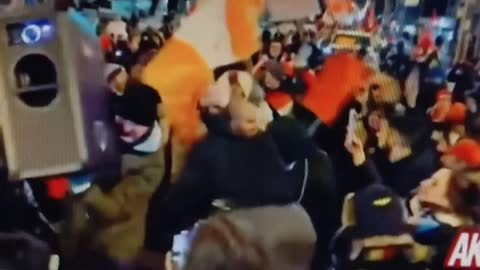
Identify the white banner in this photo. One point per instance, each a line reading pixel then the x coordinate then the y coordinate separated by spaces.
pixel 288 10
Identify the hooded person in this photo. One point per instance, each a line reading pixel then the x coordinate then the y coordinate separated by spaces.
pixel 187 61
pixel 238 165
pixel 116 227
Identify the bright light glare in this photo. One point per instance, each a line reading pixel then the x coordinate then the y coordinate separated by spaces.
pixel 46 28
pixel 31 34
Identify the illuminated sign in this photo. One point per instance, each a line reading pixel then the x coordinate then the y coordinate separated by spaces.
pixel 411 3
pixel 346 41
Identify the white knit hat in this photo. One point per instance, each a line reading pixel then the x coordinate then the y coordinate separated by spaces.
pixel 109 70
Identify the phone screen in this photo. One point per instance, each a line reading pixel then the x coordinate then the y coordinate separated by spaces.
pixel 352 125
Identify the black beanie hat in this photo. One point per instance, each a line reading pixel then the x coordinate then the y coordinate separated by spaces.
pixel 139 104
pixel 378 212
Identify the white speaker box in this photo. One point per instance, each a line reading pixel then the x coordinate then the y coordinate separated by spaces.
pixel 53 100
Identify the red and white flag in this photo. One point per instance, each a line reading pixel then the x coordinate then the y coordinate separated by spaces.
pixel 465 251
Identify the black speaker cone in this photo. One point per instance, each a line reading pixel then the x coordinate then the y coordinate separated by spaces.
pixel 36 80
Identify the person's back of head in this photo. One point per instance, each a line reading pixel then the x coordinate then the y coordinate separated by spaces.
pixel 221 245
pixel 412 126
pixel 244 239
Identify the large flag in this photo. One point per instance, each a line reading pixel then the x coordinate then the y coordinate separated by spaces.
pixel 218 33
pixel 334 87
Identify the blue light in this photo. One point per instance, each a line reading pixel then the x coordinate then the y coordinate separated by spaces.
pixel 31 33
pixel 328 50
pixel 37 31
pixel 46 28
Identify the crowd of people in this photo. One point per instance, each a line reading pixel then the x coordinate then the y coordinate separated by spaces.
pixel 378 172
pixel 401 153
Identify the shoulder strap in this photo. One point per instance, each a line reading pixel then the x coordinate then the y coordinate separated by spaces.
pixel 304 181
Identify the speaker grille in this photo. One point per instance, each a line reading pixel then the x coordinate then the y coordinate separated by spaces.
pixel 36 79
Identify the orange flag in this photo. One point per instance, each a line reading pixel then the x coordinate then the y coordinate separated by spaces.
pixel 340 7
pixel 183 70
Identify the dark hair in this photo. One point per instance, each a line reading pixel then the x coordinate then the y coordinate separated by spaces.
pixel 412 126
pixel 266 36
pixel 168 18
pixel 439 41
pixel 465 200
pixel 362 53
pixel 278 37
pixel 218 72
pixel 147 41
